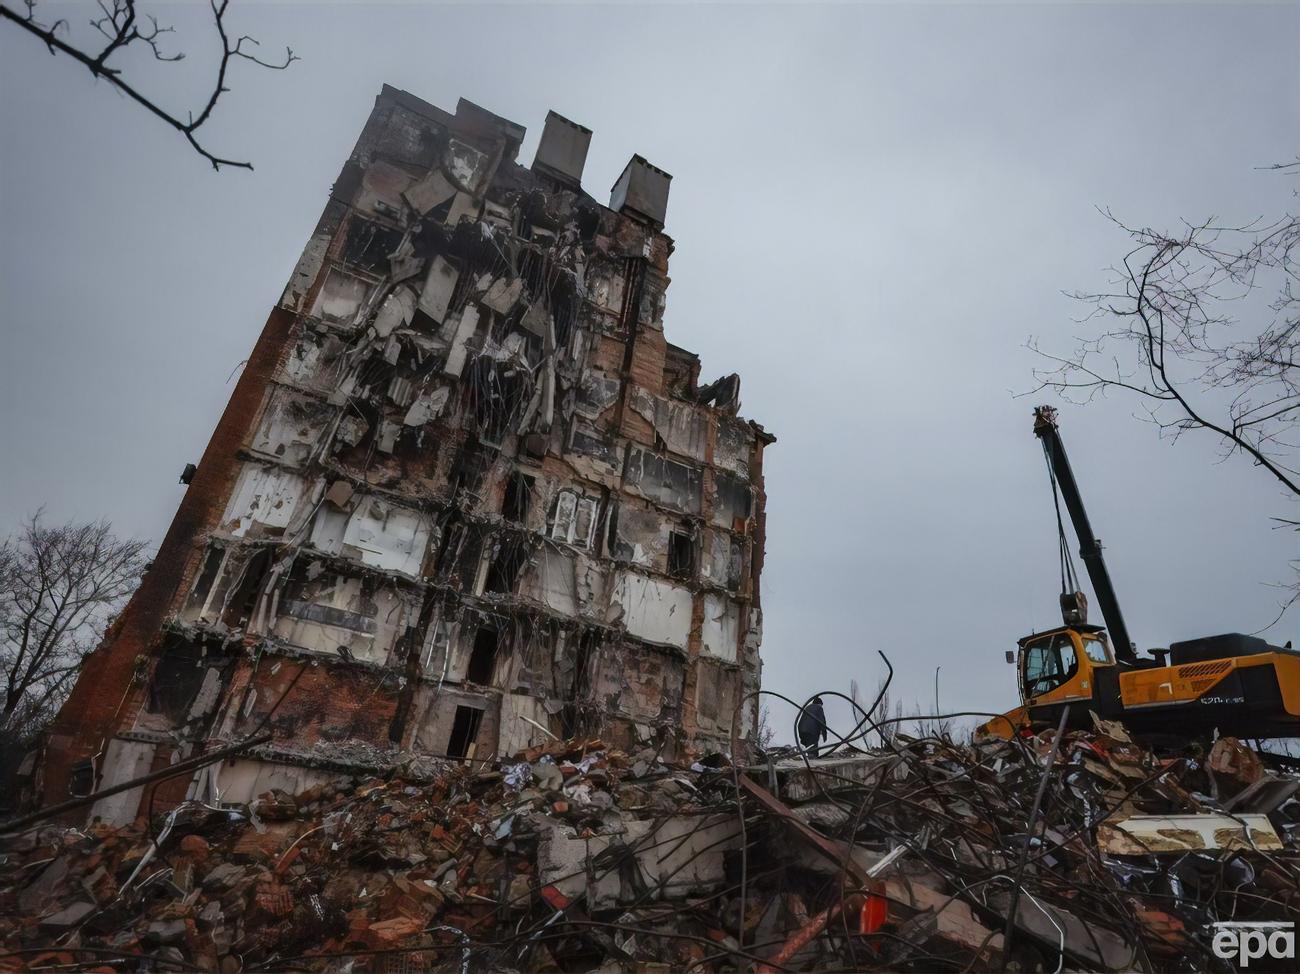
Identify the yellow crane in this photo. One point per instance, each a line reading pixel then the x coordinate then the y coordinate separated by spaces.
pixel 1235 684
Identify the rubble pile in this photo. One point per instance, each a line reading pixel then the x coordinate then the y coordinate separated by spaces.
pixel 574 856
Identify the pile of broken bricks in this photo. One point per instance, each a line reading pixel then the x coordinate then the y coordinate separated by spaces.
pixel 906 856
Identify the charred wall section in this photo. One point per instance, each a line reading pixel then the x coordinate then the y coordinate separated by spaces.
pixel 466 495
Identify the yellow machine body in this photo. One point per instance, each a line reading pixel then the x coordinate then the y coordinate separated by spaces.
pixel 1253 695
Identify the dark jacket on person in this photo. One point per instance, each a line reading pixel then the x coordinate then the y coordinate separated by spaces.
pixel 812 724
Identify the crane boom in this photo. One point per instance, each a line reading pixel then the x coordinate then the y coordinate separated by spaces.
pixel 1089 546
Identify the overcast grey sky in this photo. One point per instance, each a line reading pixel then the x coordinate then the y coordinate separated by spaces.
pixel 874 207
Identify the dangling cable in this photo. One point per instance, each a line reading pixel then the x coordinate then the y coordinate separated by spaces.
pixel 1069 580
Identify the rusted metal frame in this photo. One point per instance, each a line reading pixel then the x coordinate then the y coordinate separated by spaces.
pixel 800 939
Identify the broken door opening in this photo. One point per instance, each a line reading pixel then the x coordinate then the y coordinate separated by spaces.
pixel 588 648
pixel 482 661
pixel 464 733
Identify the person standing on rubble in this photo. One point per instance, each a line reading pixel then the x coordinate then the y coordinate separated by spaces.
pixel 812 726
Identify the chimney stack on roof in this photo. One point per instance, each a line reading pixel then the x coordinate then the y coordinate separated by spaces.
pixel 642 192
pixel 562 152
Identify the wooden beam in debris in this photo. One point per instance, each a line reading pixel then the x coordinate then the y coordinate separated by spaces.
pixel 837 852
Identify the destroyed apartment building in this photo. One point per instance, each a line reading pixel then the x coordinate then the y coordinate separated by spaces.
pixel 465 498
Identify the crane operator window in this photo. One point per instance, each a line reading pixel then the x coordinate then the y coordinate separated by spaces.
pixel 1096 648
pixel 1048 664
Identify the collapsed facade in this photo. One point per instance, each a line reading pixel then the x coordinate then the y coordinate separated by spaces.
pixel 464 496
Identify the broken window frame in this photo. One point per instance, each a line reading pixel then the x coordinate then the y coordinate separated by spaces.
pixel 736 551
pixel 649 473
pixel 566 515
pixel 246 589
pixel 177 677
pixel 728 486
pixel 370 279
pixel 439 640
pixel 209 574
pixel 81 778
pixel 376 228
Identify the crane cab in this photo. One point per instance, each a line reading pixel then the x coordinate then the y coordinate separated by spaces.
pixel 1060 665
pixel 1053 668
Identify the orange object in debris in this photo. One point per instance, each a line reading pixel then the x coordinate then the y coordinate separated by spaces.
pixel 874 913
pixel 555 899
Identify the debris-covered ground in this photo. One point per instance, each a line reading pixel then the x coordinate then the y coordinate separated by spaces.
pixel 576 857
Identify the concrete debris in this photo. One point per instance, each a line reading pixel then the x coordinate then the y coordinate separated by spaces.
pixel 1139 835
pixel 578 856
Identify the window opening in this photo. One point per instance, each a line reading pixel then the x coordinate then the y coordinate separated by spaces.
pixel 1048 664
pixel 81 779
pixel 508 562
pixel 244 600
pixel 681 554
pixel 562 523
pixel 518 497
pixel 464 732
pixel 453 537
pixel 1096 650
pixel 482 660
pixel 201 596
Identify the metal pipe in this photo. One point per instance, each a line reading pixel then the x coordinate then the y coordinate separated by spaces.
pixel 1010 929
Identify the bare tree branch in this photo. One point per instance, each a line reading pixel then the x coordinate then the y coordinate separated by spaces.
pixel 119 25
pixel 1202 325
pixel 1171 333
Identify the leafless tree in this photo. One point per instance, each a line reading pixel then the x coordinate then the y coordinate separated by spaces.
pixel 59 588
pixel 120 30
pixel 1202 327
pixel 888 721
pixel 766 732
